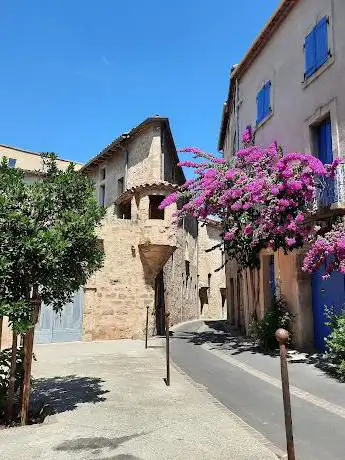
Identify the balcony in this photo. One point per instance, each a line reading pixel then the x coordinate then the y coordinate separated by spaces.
pixel 330 198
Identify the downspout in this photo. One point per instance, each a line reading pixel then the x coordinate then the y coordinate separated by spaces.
pixel 126 169
pixel 237 118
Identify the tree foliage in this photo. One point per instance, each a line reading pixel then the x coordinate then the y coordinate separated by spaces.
pixel 48 238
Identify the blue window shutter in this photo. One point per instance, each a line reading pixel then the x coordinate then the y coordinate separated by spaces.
pixel 310 54
pixel 11 162
pixel 266 103
pixel 321 42
pixel 259 105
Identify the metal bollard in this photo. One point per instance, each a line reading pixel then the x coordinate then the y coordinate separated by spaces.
pixel 147 325
pixel 167 335
pixel 282 336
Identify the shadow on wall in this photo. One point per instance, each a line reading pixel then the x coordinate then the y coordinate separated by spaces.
pixel 64 393
pixel 99 446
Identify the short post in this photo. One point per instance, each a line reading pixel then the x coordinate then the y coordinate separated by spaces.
pixel 147 325
pixel 167 335
pixel 282 336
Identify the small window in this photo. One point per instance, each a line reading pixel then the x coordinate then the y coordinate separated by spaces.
pixel 124 210
pixel 11 163
pixel 316 50
pixel 120 186
pixel 187 268
pixel 102 195
pixel 154 211
pixel 103 174
pixel 263 103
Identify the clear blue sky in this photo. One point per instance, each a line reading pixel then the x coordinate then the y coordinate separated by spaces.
pixel 77 73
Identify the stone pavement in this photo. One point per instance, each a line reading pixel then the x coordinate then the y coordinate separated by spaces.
pixel 112 403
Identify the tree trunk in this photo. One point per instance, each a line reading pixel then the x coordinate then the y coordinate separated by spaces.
pixel 1 322
pixel 28 348
pixel 12 380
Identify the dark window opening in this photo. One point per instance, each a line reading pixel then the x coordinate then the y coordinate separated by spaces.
pixel 124 210
pixel 187 267
pixel 154 211
pixel 103 173
pixel 102 195
pixel 120 186
pixel 11 162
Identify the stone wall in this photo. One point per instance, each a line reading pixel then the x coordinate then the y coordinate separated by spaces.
pixel 180 275
pixel 212 295
pixel 117 295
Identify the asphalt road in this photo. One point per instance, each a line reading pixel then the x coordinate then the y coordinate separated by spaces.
pixel 319 431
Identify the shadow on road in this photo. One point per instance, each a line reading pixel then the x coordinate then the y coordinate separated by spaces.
pixel 65 393
pixel 97 445
pixel 220 335
pixel 223 336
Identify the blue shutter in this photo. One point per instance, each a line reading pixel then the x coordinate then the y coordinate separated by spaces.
pixel 310 54
pixel 11 162
pixel 259 106
pixel 266 96
pixel 321 42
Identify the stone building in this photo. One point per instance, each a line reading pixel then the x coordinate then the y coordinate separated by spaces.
pixel 150 261
pixel 288 88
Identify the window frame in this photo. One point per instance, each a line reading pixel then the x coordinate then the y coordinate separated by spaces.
pixel 263 113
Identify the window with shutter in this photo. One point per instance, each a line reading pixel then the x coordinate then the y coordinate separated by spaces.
pixel 263 103
pixel 316 50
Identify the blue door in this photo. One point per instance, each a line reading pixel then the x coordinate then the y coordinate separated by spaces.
pixel 324 141
pixel 272 278
pixel 330 293
pixel 65 326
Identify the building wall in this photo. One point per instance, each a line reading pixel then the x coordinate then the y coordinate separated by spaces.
pixel 180 274
pixel 212 295
pixel 30 161
pixel 297 106
pixel 117 295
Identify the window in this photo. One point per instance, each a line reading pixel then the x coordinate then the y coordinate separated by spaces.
pixel 11 162
pixel 187 269
pixel 124 210
pixel 102 195
pixel 316 51
pixel 263 107
pixel 154 211
pixel 103 174
pixel 120 186
pixel 272 278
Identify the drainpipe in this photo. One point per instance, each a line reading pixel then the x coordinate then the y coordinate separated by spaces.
pixel 126 169
pixel 237 118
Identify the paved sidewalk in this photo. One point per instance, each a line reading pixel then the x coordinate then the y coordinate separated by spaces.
pixel 112 403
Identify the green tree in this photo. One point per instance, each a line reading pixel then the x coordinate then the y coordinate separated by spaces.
pixel 48 247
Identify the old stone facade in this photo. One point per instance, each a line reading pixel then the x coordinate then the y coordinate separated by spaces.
pixel 150 260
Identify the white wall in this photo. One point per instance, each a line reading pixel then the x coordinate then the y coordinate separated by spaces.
pixel 296 105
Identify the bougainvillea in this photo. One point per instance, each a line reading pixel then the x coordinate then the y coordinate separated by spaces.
pixel 261 197
pixel 328 249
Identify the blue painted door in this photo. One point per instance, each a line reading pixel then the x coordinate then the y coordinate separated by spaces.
pixel 272 278
pixel 324 141
pixel 330 293
pixel 65 326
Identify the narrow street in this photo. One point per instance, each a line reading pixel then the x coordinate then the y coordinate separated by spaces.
pixel 248 383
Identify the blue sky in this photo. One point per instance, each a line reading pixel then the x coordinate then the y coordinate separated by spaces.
pixel 77 73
